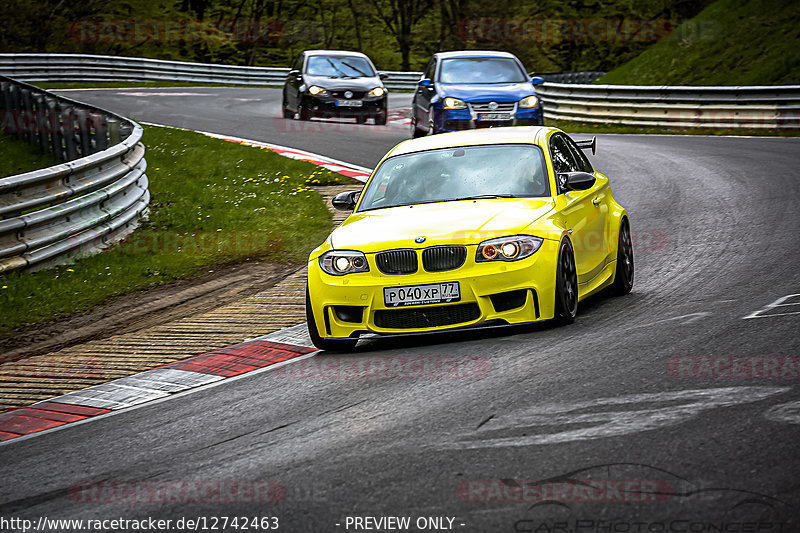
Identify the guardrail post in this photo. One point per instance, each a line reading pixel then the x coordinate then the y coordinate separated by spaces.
pixel 84 138
pixel 55 134
pixel 42 125
pixel 68 128
pixel 100 129
pixel 27 120
pixel 5 111
pixel 113 131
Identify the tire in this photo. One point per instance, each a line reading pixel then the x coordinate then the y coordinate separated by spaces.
pixel 303 111
pixel 431 123
pixel 415 133
pixel 380 119
pixel 286 112
pixel 623 276
pixel 566 308
pixel 329 345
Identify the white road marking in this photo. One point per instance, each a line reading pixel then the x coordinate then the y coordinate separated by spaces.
pixel 526 423
pixel 787 412
pixel 776 303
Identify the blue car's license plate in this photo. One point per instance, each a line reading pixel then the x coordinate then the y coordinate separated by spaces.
pixel 434 293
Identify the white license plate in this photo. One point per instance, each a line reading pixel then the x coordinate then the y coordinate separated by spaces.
pixel 349 103
pixel 494 116
pixel 435 293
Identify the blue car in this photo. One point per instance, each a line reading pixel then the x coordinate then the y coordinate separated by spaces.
pixel 474 89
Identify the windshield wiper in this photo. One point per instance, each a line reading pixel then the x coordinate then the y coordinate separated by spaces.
pixel 482 196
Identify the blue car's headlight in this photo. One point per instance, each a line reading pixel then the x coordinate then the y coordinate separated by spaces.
pixel 316 90
pixel 454 103
pixel 377 91
pixel 341 262
pixel 508 248
pixel 529 101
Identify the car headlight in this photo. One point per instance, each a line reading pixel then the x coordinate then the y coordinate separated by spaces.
pixel 315 90
pixel 377 91
pixel 508 248
pixel 341 262
pixel 529 101
pixel 454 103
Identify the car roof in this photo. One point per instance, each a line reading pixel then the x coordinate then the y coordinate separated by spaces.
pixel 333 53
pixel 509 135
pixel 474 53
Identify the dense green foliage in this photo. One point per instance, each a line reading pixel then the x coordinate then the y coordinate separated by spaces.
pixel 732 42
pixel 548 35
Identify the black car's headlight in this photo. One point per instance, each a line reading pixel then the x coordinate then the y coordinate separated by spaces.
pixel 529 101
pixel 316 90
pixel 377 91
pixel 454 103
pixel 341 262
pixel 508 248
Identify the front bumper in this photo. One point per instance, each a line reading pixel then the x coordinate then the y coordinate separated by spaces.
pixel 447 120
pixel 509 292
pixel 326 105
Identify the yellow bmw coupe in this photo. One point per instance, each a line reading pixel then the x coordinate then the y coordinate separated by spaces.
pixel 466 229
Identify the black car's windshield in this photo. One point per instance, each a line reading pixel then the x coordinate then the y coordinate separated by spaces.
pixel 339 67
pixel 490 171
pixel 481 70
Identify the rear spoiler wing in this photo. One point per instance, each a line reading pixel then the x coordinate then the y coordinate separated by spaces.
pixel 586 145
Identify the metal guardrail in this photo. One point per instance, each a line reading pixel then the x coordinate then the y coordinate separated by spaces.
pixel 77 207
pixel 89 68
pixel 751 107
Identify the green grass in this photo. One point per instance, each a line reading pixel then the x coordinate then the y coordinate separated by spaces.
pixel 137 84
pixel 213 202
pixel 588 127
pixel 19 156
pixel 731 42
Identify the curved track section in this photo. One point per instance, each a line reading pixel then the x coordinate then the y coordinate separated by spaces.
pixel 675 405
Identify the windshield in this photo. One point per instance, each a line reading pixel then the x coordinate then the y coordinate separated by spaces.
pixel 492 171
pixel 339 67
pixel 481 70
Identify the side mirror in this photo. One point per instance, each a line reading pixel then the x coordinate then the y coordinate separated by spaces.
pixel 425 82
pixel 345 201
pixel 383 75
pixel 294 72
pixel 537 80
pixel 576 181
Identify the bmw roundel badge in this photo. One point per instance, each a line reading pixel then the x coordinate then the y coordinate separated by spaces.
pixel 419 240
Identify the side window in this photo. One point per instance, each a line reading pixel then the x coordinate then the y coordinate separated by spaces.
pixel 298 65
pixel 563 158
pixel 430 70
pixel 580 158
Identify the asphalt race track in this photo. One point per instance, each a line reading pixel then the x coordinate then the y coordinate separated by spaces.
pixel 632 419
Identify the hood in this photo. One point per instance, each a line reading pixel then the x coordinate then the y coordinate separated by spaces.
pixel 500 92
pixel 459 222
pixel 334 84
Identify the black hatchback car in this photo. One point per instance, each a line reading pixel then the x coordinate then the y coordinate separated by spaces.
pixel 334 83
